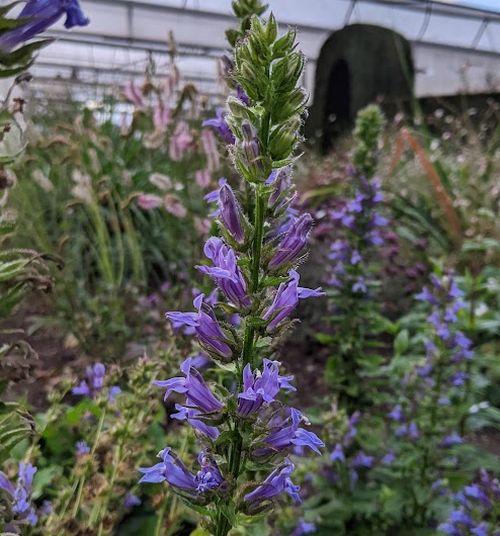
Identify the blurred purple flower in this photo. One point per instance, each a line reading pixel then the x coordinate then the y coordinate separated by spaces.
pixel 93 382
pixel 337 454
pixel 82 448
pixel 219 124
pixel 303 528
pixel 131 500
pixel 40 15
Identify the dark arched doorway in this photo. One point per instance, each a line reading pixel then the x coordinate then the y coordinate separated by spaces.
pixel 357 65
pixel 338 106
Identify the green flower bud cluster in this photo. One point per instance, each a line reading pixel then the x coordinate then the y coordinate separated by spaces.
pixel 244 11
pixel 369 124
pixel 268 69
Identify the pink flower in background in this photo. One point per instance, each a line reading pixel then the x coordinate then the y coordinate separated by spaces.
pixel 210 148
pixel 133 94
pixel 180 142
pixel 203 178
pixel 174 205
pixel 202 225
pixel 149 201
pixel 163 182
pixel 161 117
pixel 171 82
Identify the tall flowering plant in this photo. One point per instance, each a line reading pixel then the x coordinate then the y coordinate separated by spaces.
pixel 246 432
pixel 425 420
pixel 357 225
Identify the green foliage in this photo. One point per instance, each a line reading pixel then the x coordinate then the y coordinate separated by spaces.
pixel 444 187
pixel 369 125
pixel 80 196
pixel 244 11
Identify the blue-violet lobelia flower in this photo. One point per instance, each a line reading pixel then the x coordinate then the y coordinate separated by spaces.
pixel 219 124
pixel 193 386
pixel 206 327
pixel 292 243
pixel 191 415
pixel 286 299
pixel 172 470
pixel 259 388
pixel 287 433
pixel 230 213
pixel 277 482
pixel 225 271
pixel 40 15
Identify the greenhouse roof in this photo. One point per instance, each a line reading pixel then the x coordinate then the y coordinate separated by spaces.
pixel 123 34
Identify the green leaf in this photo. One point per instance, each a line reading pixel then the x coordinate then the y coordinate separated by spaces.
pixel 23 54
pixel 401 342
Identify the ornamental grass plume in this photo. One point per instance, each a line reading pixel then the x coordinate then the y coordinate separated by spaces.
pixel 246 433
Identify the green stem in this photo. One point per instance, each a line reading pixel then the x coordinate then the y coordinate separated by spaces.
pixel 104 505
pixel 161 515
pixel 235 452
pixel 260 212
pixel 81 482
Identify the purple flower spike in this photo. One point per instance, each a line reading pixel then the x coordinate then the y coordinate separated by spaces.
pixel 225 271
pixel 293 242
pixel 230 213
pixel 193 386
pixel 259 388
pixel 286 299
pixel 277 482
pixel 40 15
pixel 219 124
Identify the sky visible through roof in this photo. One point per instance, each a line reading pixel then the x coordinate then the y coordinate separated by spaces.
pixel 488 4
